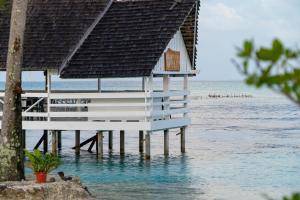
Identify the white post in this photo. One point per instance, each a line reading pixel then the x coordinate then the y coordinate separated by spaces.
pixel 183 130
pixel 48 93
pixel 186 88
pixel 166 100
pixel 99 85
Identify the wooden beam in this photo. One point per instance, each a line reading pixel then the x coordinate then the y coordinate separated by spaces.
pixel 166 142
pixel 77 142
pixel 59 140
pixel 122 142
pixel 148 145
pixel 182 139
pixel 141 141
pixel 92 145
pixel 110 141
pixel 39 142
pixel 100 143
pixel 45 143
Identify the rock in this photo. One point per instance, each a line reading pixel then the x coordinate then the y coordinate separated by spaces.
pixel 30 190
pixel 52 179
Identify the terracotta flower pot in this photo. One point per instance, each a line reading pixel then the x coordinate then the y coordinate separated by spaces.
pixel 41 177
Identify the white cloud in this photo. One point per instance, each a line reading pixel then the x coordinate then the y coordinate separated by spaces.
pixel 219 17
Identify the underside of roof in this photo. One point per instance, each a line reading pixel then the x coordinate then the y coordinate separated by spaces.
pixel 94 39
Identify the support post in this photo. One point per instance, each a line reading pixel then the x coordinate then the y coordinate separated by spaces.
pixel 186 87
pixel 100 143
pixel 148 145
pixel 99 85
pixel 45 142
pixel 141 141
pixel 110 141
pixel 59 140
pixel 182 139
pixel 54 142
pixel 166 100
pixel 166 142
pixel 77 142
pixel 122 142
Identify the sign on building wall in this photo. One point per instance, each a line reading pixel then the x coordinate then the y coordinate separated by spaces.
pixel 172 60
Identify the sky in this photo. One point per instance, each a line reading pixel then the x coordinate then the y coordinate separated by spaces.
pixel 225 24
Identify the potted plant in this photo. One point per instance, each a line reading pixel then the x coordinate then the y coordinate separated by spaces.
pixel 42 164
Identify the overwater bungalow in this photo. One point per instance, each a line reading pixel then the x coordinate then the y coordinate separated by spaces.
pixel 107 39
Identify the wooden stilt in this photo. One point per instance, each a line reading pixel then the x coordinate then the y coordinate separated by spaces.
pixel 77 142
pixel 92 145
pixel 54 142
pixel 141 141
pixel 100 143
pixel 148 146
pixel 122 142
pixel 182 139
pixel 166 142
pixel 42 140
pixel 59 140
pixel 45 142
pixel 110 141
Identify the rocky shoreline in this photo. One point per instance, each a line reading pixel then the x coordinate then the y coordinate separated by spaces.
pixel 54 189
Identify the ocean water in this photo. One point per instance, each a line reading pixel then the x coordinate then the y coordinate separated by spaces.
pixel 237 148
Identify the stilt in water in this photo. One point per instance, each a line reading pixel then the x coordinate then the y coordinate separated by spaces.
pixel 122 142
pixel 54 142
pixel 45 142
pixel 77 142
pixel 141 141
pixel 110 141
pixel 182 139
pixel 59 140
pixel 166 142
pixel 148 146
pixel 100 143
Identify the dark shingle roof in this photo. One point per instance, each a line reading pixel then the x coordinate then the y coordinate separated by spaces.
pixel 53 29
pixel 130 39
pixel 127 41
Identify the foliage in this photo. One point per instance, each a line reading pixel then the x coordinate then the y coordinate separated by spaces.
pixel 42 163
pixel 295 196
pixel 276 67
pixel 2 3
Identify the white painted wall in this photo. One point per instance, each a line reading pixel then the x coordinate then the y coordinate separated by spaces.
pixel 177 44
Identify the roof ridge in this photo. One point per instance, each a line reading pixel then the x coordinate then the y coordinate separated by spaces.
pixel 85 35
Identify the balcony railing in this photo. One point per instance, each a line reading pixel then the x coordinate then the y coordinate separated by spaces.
pixel 108 107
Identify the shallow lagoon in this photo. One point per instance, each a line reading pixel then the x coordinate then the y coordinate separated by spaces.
pixel 237 148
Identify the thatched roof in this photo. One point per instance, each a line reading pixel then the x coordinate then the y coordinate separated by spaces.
pixel 100 38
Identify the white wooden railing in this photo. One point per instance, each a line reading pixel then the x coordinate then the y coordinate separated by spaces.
pixel 112 107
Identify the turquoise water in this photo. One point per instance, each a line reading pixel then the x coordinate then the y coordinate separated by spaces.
pixel 237 148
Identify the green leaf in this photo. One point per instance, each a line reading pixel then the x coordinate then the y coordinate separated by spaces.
pixel 265 54
pixel 278 50
pixel 247 50
pixel 290 54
